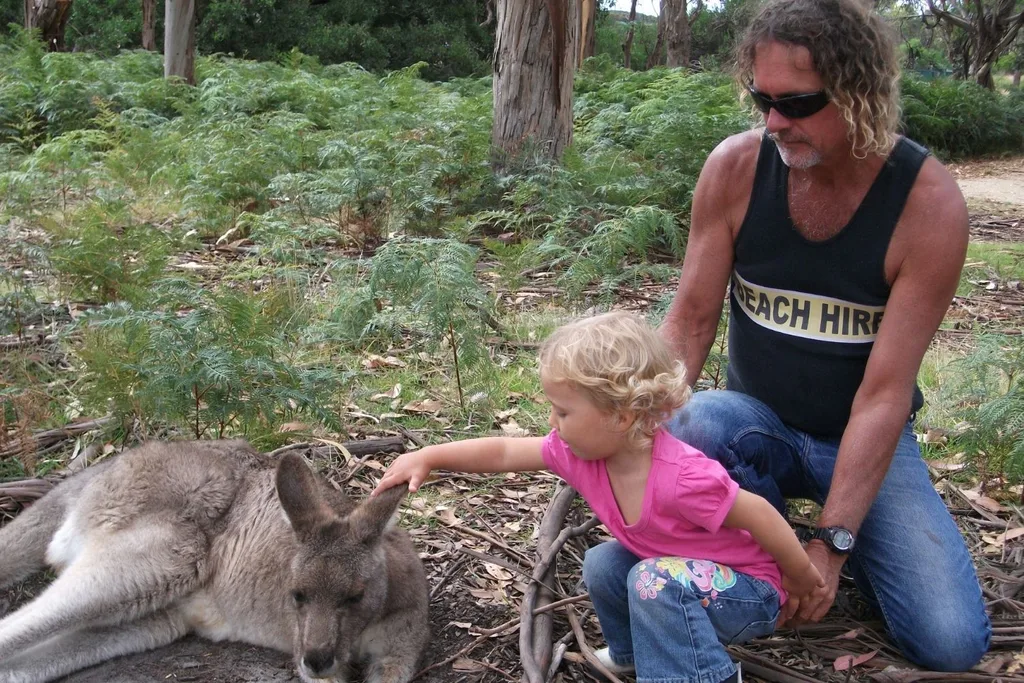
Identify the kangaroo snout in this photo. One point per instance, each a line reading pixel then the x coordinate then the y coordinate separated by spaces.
pixel 319 663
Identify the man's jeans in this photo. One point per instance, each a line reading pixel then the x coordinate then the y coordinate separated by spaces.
pixel 910 560
pixel 667 615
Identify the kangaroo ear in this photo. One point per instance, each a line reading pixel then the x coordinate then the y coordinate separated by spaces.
pixel 372 516
pixel 300 496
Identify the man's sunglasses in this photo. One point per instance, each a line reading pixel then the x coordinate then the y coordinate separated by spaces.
pixel 791 106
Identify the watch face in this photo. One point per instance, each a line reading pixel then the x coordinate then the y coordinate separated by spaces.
pixel 842 539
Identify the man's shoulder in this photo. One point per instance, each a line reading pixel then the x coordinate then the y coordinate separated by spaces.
pixel 933 228
pixel 728 175
pixel 736 152
pixel 935 204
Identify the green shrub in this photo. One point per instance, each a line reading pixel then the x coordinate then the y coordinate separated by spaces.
pixel 104 255
pixel 960 118
pixel 214 362
pixel 988 386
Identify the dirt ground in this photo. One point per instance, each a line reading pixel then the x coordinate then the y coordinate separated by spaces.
pixel 992 187
pixel 464 600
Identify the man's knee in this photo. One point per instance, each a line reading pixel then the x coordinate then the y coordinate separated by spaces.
pixel 703 421
pixel 950 646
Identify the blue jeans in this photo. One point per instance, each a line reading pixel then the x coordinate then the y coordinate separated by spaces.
pixel 669 616
pixel 910 561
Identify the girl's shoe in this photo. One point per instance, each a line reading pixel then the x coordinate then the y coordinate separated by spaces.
pixel 604 656
pixel 736 677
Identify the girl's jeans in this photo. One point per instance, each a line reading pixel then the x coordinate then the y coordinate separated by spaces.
pixel 910 560
pixel 668 616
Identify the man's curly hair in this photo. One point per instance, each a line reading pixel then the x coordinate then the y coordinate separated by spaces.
pixel 854 52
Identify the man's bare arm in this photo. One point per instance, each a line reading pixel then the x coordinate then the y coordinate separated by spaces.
pixel 719 204
pixel 934 245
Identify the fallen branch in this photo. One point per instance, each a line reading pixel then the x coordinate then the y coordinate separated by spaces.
pixel 535 633
pixel 357 449
pixel 588 653
pixel 49 437
pixel 767 669
pixel 14 495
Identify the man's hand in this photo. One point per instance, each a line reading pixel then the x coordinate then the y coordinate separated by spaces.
pixel 815 605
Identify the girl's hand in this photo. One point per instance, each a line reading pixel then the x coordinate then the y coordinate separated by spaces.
pixel 806 582
pixel 805 587
pixel 408 467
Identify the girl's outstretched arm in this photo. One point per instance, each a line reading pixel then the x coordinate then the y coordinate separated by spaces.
pixel 489 454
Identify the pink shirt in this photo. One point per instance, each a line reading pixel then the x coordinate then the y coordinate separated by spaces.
pixel 687 498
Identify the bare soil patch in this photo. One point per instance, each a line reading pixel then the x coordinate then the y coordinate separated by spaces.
pixel 992 187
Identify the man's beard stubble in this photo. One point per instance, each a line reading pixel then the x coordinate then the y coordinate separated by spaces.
pixel 800 161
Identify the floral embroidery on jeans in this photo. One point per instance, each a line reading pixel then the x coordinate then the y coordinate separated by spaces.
pixel 706 578
pixel 648 584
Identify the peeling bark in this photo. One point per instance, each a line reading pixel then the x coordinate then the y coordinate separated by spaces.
pixel 50 17
pixel 180 39
pixel 149 25
pixel 534 63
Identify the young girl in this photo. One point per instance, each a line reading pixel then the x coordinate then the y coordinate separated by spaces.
pixel 697 562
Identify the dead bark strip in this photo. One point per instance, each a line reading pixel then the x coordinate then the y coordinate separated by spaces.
pixel 49 437
pixel 535 643
pixel 534 62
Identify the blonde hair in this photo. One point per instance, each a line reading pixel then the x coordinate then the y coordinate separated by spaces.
pixel 622 365
pixel 854 52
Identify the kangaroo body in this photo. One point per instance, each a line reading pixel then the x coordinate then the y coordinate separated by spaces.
pixel 210 538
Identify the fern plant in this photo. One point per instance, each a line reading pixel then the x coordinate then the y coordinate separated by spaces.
pixel 988 389
pixel 430 284
pixel 221 362
pixel 104 255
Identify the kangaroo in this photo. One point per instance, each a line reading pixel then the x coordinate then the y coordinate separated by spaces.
pixel 208 537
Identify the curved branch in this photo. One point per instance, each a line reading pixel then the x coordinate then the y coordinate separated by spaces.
pixel 695 15
pixel 534 666
pixel 1015 24
pixel 951 18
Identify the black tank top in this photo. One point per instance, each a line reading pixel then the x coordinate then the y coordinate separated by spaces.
pixel 804 315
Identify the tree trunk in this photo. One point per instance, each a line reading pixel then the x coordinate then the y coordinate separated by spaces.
pixel 1016 78
pixel 627 45
pixel 149 25
pixel 180 39
pixel 588 29
pixel 654 56
pixel 50 17
pixel 534 57
pixel 677 33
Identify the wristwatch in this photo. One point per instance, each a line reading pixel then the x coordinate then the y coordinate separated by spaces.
pixel 839 540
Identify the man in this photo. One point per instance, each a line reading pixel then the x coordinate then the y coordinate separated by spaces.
pixel 843 245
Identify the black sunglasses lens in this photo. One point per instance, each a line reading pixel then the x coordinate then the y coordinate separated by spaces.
pixel 792 107
pixel 801 106
pixel 762 103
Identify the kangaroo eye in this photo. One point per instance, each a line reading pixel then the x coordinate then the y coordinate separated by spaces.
pixel 352 600
pixel 299 597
